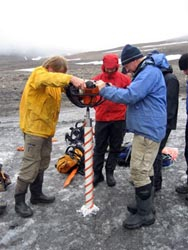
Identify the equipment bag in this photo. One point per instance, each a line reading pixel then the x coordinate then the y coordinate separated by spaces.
pixel 124 156
pixel 77 134
pixel 4 179
pixel 71 163
pixel 167 160
pixel 70 160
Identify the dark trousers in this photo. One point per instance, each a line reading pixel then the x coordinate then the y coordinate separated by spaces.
pixel 186 146
pixel 158 162
pixel 107 134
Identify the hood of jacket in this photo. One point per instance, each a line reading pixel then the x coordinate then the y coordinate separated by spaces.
pixel 156 59
pixel 110 61
pixel 159 60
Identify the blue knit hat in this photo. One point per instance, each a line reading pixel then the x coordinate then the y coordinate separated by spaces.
pixel 129 54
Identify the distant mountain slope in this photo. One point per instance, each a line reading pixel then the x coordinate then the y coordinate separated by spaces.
pixel 172 46
pixel 169 47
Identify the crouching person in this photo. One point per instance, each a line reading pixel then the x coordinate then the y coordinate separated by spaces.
pixel 146 117
pixel 39 110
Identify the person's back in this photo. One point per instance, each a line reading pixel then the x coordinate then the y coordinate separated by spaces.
pixel 172 86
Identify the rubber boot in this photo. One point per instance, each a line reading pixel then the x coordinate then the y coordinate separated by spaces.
pixel 3 206
pixel 132 207
pixel 182 189
pixel 98 162
pixel 144 215
pixel 98 177
pixel 20 206
pixel 110 178
pixel 37 195
pixel 110 167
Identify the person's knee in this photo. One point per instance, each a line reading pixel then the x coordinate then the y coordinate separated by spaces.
pixel 139 179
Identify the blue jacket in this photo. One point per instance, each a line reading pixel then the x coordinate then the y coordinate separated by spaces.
pixel 146 100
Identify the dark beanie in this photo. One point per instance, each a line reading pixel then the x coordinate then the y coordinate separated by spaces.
pixel 129 54
pixel 183 62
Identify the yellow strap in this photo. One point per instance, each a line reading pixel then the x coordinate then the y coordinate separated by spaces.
pixel 70 177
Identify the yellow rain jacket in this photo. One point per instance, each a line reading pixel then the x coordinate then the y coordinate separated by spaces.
pixel 41 101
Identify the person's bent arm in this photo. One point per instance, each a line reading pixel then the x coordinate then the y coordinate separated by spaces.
pixel 78 82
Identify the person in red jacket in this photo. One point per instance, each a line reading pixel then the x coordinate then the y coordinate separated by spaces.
pixel 109 123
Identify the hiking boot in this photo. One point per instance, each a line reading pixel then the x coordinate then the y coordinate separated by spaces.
pixel 182 189
pixel 98 178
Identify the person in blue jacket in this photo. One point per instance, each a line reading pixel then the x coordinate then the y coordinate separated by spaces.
pixel 145 98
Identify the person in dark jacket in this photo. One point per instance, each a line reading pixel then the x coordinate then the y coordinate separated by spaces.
pixel 146 119
pixel 183 65
pixel 172 86
pixel 110 123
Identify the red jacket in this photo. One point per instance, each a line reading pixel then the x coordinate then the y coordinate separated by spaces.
pixel 110 111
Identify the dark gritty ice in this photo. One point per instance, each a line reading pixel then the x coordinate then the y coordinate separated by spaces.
pixel 59 226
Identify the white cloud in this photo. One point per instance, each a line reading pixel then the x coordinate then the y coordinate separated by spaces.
pixel 74 25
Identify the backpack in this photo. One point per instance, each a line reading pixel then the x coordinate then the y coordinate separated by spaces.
pixel 73 158
pixel 167 160
pixel 4 180
pixel 124 156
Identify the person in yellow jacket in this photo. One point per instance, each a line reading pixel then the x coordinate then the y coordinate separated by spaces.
pixel 39 110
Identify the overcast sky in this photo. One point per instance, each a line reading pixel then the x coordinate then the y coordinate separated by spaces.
pixel 84 25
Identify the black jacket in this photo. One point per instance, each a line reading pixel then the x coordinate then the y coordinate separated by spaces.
pixel 172 85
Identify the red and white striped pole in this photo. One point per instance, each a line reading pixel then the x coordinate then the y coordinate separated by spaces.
pixel 89 207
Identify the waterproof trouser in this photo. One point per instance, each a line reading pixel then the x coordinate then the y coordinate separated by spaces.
pixel 158 163
pixel 107 135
